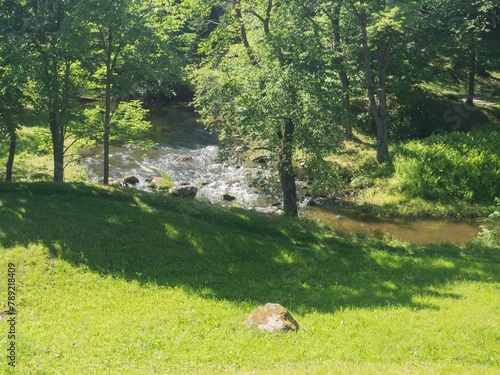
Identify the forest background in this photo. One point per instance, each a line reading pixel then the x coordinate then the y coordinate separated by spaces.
pixel 301 79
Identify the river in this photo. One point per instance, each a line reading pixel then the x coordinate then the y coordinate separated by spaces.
pixel 421 231
pixel 188 153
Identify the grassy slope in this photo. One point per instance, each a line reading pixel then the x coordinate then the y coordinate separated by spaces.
pixel 113 282
pixel 34 161
pixel 373 187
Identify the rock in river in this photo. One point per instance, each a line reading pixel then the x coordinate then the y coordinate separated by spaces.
pixel 185 191
pixel 228 198
pixel 130 180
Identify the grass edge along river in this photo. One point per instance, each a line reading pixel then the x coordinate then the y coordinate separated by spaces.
pixel 121 282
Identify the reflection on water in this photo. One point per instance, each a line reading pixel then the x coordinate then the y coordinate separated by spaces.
pixel 179 126
pixel 422 231
pixel 188 153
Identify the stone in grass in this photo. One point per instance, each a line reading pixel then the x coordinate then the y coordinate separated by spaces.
pixel 272 317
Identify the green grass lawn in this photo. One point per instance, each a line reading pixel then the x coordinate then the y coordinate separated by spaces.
pixel 124 282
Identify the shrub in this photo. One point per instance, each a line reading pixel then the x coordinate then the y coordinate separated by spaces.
pixel 490 231
pixel 451 166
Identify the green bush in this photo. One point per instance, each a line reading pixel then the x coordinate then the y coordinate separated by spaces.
pixel 455 165
pixel 490 231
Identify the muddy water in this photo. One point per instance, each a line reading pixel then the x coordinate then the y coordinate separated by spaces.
pixel 188 153
pixel 422 231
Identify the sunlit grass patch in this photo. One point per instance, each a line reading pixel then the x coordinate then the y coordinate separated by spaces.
pixel 33 161
pixel 118 282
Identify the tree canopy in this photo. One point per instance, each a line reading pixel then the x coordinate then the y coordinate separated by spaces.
pixel 266 78
pixel 272 74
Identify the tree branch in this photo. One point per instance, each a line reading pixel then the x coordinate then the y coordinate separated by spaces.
pixel 265 20
pixel 243 34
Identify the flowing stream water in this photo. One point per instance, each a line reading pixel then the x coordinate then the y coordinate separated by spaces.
pixel 189 154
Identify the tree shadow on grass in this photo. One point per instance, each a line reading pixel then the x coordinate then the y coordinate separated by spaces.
pixel 234 255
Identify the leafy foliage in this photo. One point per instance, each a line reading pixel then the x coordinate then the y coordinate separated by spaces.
pixel 491 229
pixel 128 123
pixel 452 35
pixel 271 84
pixel 451 166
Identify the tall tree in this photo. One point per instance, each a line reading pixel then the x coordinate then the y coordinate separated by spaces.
pixel 264 79
pixel 379 23
pixel 339 32
pixel 130 45
pixel 47 40
pixel 12 83
pixel 12 110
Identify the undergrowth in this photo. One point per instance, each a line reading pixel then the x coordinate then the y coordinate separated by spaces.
pixel 463 166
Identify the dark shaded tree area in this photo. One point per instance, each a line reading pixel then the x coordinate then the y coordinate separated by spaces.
pixel 461 33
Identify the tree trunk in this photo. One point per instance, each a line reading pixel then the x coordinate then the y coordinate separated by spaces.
pixel 12 153
pixel 378 110
pixel 382 142
pixel 472 75
pixel 58 146
pixel 285 168
pixel 107 116
pixel 344 79
pixel 382 126
pixel 243 34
